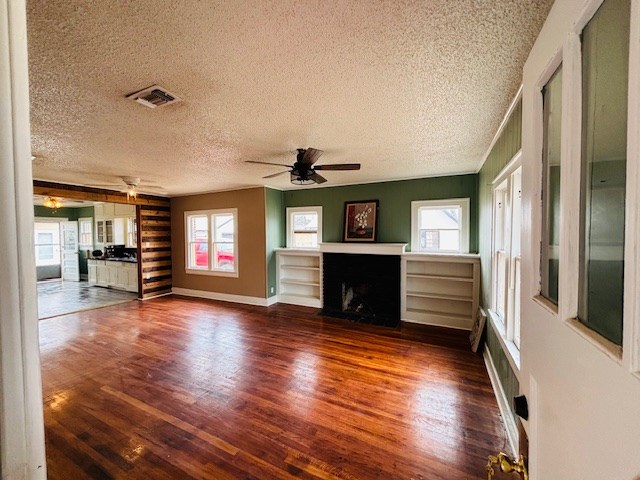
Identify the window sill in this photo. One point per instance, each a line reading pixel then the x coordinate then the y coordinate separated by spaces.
pixel 214 273
pixel 511 351
pixel 547 304
pixel 610 349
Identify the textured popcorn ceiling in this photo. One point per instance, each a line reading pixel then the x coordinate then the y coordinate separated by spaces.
pixel 407 88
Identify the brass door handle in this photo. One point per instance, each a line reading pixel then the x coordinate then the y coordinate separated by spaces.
pixel 506 465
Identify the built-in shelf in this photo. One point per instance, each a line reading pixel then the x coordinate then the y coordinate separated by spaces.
pixel 436 313
pixel 299 277
pixel 440 289
pixel 460 298
pixel 439 277
pixel 299 267
pixel 299 282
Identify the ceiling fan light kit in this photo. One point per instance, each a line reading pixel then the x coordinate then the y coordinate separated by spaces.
pixel 303 172
pixel 52 203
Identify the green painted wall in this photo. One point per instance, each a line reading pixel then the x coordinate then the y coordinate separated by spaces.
pixel 505 148
pixel 275 226
pixel 508 380
pixel 394 220
pixel 502 152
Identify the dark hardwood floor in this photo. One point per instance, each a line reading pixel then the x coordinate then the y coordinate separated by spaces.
pixel 177 388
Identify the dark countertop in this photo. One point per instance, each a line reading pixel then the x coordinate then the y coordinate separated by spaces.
pixel 116 259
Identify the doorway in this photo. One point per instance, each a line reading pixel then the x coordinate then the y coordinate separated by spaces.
pixel 69 237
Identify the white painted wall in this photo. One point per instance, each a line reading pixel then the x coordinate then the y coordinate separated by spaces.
pixel 584 399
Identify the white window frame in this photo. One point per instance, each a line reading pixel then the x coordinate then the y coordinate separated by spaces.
pixel 211 270
pixel 505 327
pixel 462 203
pixel 291 211
pixel 89 221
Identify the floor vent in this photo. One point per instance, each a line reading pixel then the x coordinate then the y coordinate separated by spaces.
pixel 154 96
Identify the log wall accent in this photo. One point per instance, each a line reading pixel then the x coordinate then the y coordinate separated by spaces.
pixel 154 258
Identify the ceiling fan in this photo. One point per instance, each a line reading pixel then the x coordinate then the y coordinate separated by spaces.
pixel 132 184
pixel 303 172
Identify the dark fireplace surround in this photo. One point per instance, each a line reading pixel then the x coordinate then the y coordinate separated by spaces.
pixel 362 287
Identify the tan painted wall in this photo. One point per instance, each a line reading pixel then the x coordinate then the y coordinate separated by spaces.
pixel 251 242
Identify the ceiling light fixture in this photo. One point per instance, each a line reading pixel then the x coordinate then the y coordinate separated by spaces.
pixel 52 203
pixel 131 192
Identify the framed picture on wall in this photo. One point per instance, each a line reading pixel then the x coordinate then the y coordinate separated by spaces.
pixel 361 221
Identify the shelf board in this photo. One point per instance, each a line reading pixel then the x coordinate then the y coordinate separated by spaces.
pixel 301 267
pixel 421 311
pixel 300 295
pixel 299 282
pixel 440 296
pixel 439 277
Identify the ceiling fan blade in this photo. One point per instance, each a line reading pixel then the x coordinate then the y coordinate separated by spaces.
pixel 276 174
pixel 104 185
pixel 267 163
pixel 338 166
pixel 317 178
pixel 311 155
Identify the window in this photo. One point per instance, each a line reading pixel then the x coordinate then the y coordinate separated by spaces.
pixel 132 232
pixel 212 242
pixel 605 75
pixel 507 221
pixel 85 227
pixel 552 117
pixel 47 243
pixel 440 226
pixel 304 227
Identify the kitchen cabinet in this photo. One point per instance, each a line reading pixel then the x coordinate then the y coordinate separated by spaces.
pixel 113 274
pixel 115 224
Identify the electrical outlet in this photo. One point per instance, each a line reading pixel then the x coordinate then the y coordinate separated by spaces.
pixel 273 290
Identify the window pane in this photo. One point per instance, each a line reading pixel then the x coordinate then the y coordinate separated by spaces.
pixel 305 239
pixel 199 255
pixel 44 252
pixel 198 228
pixel 605 66
pixel 45 238
pixel 450 240
pixel 305 222
pixel 223 228
pixel 224 256
pixel 439 229
pixel 552 101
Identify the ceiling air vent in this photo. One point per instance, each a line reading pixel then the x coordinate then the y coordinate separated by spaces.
pixel 154 96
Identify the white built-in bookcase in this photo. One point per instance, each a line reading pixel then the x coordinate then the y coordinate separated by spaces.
pixel 440 289
pixel 436 289
pixel 299 277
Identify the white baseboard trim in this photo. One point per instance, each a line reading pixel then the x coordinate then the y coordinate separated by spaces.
pixel 503 402
pixel 225 297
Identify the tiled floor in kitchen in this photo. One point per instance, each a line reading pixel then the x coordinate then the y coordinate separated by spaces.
pixel 56 297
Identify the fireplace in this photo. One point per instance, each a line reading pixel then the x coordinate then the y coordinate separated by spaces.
pixel 362 287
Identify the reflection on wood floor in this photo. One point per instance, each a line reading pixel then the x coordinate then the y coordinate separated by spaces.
pixel 177 388
pixel 57 297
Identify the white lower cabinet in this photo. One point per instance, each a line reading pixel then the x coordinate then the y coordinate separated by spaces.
pixel 113 274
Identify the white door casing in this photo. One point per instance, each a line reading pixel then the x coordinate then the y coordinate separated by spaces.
pixel 69 251
pixel 22 453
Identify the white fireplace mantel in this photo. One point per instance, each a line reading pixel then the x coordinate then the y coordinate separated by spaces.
pixel 364 248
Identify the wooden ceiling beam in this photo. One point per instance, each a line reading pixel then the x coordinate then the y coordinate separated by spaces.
pixel 77 192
